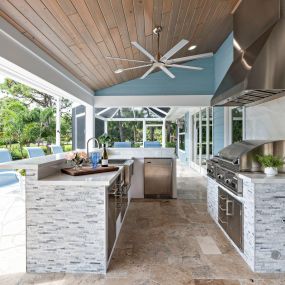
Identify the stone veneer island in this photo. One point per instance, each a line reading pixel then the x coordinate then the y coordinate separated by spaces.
pixel 263 203
pixel 67 216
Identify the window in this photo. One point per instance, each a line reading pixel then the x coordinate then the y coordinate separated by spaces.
pixel 237 124
pixel 203 137
pixel 181 134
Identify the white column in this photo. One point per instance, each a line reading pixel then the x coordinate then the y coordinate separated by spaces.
pixel 58 116
pixel 144 132
pixel 89 123
pixel 105 126
pixel 190 137
pixel 200 137
pixel 207 135
pixel 163 133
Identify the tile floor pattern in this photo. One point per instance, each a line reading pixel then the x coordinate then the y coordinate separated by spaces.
pixel 164 242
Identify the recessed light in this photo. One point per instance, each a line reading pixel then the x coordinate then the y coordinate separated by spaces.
pixel 118 70
pixel 192 47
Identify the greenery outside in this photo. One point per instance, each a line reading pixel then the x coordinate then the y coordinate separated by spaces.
pixel 28 118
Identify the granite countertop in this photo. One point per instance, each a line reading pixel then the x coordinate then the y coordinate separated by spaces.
pixel 255 177
pixel 98 179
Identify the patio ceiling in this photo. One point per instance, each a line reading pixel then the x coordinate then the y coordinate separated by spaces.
pixel 79 34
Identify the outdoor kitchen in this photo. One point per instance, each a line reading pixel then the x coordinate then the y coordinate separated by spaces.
pixel 248 205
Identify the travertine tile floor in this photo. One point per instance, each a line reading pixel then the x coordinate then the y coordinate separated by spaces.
pixel 170 242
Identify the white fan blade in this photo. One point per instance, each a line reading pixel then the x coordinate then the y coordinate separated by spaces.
pixel 165 70
pixel 174 50
pixel 130 68
pixel 185 66
pixel 126 59
pixel 191 57
pixel 148 72
pixel 144 51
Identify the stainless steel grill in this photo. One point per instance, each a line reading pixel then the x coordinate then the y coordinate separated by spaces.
pixel 241 157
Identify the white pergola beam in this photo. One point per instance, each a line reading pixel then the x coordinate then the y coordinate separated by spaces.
pixel 160 111
pixel 163 134
pixel 58 117
pixel 103 111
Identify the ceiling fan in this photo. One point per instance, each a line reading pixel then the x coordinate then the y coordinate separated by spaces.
pixel 162 62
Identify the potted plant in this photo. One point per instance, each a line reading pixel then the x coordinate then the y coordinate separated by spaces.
pixel 270 163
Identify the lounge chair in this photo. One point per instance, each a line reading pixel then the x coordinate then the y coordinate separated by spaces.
pixel 152 144
pixel 122 144
pixel 7 177
pixel 55 149
pixel 35 152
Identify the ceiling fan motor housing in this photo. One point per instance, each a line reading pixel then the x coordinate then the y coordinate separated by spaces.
pixel 157 30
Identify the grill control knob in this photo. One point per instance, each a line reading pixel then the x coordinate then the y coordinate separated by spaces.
pixel 228 181
pixel 220 176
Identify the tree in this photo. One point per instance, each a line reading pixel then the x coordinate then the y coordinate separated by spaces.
pixel 30 96
pixel 14 115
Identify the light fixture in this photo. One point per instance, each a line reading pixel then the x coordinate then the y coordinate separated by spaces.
pixel 192 47
pixel 119 70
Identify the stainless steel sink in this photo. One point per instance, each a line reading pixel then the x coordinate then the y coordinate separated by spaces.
pixel 117 161
pixel 128 169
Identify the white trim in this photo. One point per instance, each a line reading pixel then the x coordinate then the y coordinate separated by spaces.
pixel 160 111
pixel 27 63
pixel 153 100
pixel 227 132
pixel 58 121
pixel 80 115
pixel 200 137
pixel 163 133
pixel 103 111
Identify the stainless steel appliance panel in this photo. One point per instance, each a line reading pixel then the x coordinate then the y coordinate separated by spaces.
pixel 112 217
pixel 235 218
pixel 231 217
pixel 158 178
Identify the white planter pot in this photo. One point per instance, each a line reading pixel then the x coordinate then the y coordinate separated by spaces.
pixel 270 171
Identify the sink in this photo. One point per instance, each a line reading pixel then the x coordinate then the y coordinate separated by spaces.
pixel 117 161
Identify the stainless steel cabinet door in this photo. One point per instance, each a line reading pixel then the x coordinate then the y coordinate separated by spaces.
pixel 158 177
pixel 235 221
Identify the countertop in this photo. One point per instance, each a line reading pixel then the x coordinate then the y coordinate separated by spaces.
pixel 34 163
pixel 114 153
pixel 262 178
pixel 98 179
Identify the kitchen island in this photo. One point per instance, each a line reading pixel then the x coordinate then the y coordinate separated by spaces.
pixel 72 223
pixel 262 216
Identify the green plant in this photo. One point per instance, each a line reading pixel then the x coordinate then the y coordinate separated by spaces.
pixel 104 139
pixel 270 160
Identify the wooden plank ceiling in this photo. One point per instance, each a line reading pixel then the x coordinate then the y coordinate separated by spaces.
pixel 79 34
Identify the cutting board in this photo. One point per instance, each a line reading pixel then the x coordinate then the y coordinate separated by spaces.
pixel 88 170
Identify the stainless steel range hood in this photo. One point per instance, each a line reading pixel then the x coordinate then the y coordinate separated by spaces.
pixel 258 71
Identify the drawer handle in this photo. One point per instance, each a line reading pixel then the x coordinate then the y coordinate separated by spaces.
pixel 222 208
pixel 227 208
pixel 223 198
pixel 221 221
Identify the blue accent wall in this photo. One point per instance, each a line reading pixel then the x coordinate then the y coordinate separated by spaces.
pixel 222 61
pixel 186 82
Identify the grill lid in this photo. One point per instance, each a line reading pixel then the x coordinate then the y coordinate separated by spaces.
pixel 234 151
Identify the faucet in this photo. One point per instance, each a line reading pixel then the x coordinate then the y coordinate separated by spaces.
pixel 87 147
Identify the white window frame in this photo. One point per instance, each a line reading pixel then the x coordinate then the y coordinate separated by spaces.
pixel 197 154
pixel 229 125
pixel 181 133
